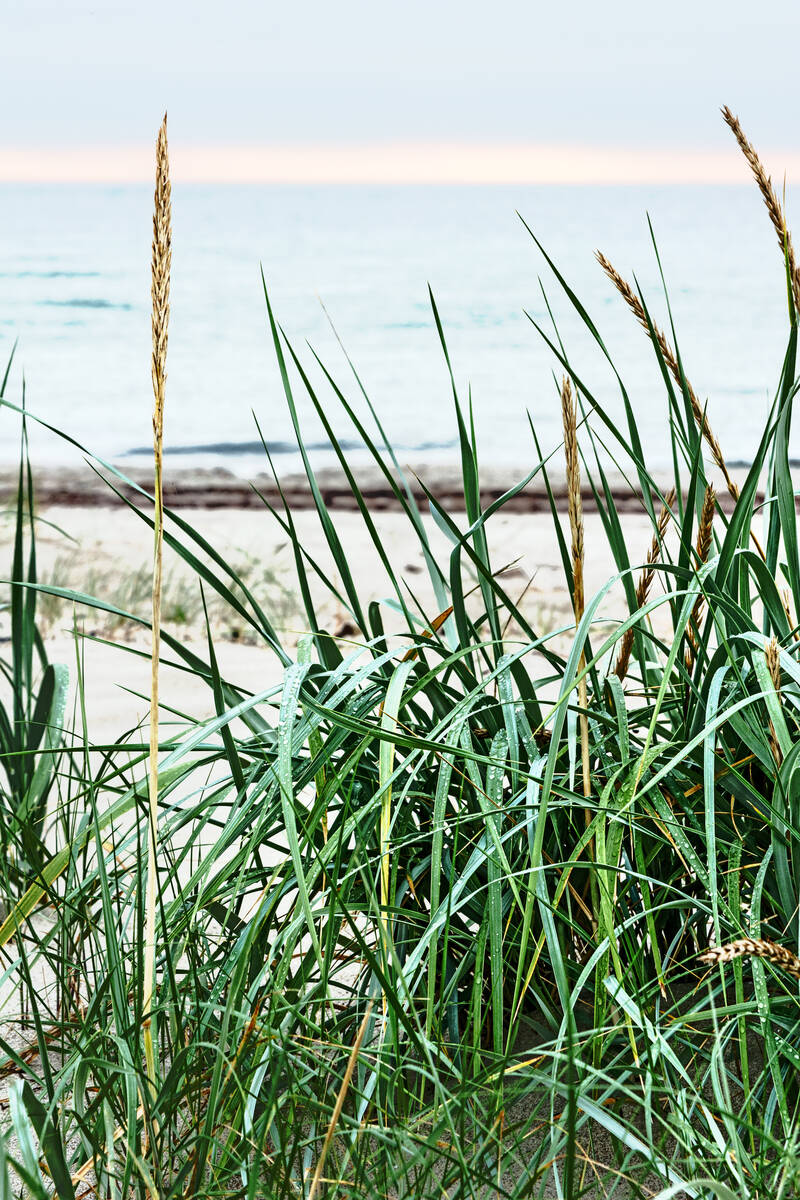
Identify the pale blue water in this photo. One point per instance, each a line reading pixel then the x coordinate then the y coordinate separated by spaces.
pixel 74 288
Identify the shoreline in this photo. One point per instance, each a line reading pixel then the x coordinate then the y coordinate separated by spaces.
pixel 221 488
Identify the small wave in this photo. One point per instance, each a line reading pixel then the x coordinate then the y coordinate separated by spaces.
pixel 744 464
pixel 49 274
pixel 276 448
pixel 78 303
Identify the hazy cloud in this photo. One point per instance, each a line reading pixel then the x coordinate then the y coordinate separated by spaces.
pixel 621 72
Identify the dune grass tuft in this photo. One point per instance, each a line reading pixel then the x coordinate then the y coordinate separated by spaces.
pixel 372 930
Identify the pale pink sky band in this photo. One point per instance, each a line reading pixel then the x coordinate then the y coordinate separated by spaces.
pixel 392 164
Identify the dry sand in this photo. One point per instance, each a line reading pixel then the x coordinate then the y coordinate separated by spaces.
pixel 107 552
pixel 88 540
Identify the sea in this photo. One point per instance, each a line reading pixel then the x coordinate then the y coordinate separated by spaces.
pixel 349 269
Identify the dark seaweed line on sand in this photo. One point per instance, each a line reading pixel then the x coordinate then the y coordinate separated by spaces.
pixel 218 488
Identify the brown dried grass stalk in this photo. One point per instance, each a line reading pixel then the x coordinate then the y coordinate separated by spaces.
pixel 575 507
pixel 773 204
pixel 645 582
pixel 779 956
pixel 339 1105
pixel 162 258
pixel 702 548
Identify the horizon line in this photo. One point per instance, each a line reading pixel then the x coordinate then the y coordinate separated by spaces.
pixel 390 163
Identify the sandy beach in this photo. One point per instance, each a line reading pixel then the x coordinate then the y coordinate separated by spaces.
pixel 88 540
pixel 106 552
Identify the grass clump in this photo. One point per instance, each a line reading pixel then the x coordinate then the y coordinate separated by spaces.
pixel 461 906
pixel 129 589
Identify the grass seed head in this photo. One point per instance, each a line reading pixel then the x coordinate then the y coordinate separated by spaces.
pixel 705 531
pixel 779 956
pixel 645 581
pixel 772 653
pixel 773 204
pixel 570 422
pixel 162 262
pixel 773 657
pixel 673 366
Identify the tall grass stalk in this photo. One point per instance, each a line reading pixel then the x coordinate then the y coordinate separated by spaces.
pixel 161 264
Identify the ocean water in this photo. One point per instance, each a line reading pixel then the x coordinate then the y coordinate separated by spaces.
pixel 74 293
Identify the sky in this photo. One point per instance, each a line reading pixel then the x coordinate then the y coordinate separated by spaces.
pixel 277 87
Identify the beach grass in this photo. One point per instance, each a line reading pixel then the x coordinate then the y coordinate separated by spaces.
pixel 462 906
